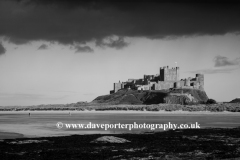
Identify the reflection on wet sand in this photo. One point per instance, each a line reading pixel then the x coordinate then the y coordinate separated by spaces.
pixel 43 124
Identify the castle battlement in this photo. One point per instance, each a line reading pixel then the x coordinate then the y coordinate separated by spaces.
pixel 167 78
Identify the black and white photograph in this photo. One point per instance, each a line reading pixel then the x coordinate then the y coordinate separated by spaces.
pixel 119 80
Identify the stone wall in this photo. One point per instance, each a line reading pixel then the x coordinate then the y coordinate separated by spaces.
pixel 182 83
pixel 117 86
pixel 163 85
pixel 144 87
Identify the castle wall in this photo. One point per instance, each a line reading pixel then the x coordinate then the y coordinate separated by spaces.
pixel 157 86
pixel 177 84
pixel 161 75
pixel 144 87
pixel 182 83
pixel 152 85
pixel 132 80
pixel 139 82
pixel 117 86
pixel 187 82
pixel 189 87
pixel 148 77
pixel 177 69
pixel 112 91
pixel 163 85
pixel 168 78
pixel 122 85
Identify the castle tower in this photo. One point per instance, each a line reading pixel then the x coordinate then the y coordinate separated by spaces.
pixel 117 86
pixel 169 74
pixel 200 79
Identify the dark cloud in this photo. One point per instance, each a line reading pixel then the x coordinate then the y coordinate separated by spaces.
pixel 221 61
pixel 68 22
pixel 112 43
pixel 83 49
pixel 43 46
pixel 2 49
pixel 16 40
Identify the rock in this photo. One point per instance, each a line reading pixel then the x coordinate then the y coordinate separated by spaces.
pixel 109 139
pixel 28 141
pixel 125 96
pixel 171 157
pixel 236 100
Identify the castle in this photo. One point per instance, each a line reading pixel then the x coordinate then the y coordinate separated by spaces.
pixel 168 78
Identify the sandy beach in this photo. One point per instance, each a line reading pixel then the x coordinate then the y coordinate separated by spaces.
pixel 43 123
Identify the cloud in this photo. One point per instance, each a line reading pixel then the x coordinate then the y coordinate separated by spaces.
pixel 83 49
pixel 70 22
pixel 214 70
pixel 2 49
pixel 43 46
pixel 221 65
pixel 112 43
pixel 16 40
pixel 221 61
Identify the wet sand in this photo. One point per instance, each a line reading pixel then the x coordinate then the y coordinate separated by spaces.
pixel 43 123
pixel 10 135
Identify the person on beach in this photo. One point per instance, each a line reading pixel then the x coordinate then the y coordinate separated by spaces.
pixel 29 114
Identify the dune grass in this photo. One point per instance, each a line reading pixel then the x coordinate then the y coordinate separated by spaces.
pixel 231 107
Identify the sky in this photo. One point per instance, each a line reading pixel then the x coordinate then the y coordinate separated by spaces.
pixel 59 52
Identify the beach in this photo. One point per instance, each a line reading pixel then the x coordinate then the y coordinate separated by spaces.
pixel 36 136
pixel 43 123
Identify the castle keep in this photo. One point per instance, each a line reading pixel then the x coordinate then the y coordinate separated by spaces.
pixel 168 78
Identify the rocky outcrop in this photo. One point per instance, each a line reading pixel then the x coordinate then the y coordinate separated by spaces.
pixel 109 139
pixel 177 96
pixel 28 141
pixel 180 99
pixel 236 100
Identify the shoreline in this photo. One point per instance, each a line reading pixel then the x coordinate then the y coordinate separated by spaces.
pixel 6 135
pixel 10 135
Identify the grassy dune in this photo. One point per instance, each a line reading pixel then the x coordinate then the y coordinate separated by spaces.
pixel 231 107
